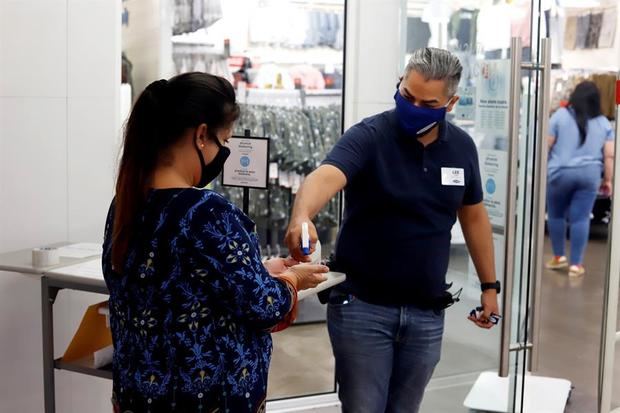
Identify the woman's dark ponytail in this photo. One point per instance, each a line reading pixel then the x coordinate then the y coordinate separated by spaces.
pixel 585 102
pixel 158 120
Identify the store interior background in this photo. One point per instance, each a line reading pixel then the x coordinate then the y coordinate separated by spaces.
pixel 61 113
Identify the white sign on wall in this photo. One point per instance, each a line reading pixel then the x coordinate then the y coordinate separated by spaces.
pixel 248 163
pixel 492 121
pixel 494 174
pixel 466 107
pixel 492 97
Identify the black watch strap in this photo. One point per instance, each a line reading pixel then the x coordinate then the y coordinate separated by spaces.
pixel 491 286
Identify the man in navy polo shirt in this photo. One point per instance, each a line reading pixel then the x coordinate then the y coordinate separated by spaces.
pixel 407 175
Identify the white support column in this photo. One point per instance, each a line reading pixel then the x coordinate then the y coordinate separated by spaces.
pixel 59 121
pixel 375 52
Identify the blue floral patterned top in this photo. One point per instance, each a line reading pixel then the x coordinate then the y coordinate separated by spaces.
pixel 190 314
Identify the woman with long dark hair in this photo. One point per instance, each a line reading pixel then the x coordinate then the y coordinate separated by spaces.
pixel 191 304
pixel 581 144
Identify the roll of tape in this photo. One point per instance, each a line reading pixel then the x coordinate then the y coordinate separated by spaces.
pixel 45 257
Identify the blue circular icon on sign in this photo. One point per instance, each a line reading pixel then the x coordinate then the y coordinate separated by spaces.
pixel 491 186
pixel 245 161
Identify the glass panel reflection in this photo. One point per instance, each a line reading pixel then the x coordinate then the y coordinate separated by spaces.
pixel 289 80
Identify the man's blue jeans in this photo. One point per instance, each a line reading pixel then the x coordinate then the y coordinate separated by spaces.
pixel 571 193
pixel 385 356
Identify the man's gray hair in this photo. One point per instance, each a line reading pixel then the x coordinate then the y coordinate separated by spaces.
pixel 437 64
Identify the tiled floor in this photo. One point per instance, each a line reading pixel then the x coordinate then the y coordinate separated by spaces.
pixel 570 337
pixel 302 362
pixel 571 328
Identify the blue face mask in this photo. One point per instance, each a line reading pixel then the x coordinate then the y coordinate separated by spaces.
pixel 417 121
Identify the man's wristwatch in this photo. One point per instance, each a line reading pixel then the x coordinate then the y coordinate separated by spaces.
pixel 491 286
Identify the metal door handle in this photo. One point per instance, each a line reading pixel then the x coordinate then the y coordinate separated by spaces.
pixel 511 205
pixel 540 196
pixel 539 191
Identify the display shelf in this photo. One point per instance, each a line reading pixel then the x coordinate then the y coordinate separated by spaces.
pixel 86 366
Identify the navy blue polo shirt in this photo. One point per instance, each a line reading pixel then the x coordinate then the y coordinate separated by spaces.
pixel 394 242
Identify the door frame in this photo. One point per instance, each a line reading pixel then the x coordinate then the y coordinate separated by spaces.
pixel 610 336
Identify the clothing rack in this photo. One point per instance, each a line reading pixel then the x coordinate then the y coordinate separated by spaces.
pixel 314 98
pixel 192 15
pixel 335 6
pixel 274 97
pixel 297 98
pixel 564 81
pixel 200 57
pixel 197 48
pixel 300 139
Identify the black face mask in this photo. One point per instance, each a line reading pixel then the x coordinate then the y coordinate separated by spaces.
pixel 213 169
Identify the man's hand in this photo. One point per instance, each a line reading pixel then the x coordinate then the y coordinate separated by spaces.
pixel 315 192
pixel 277 266
pixel 488 300
pixel 293 239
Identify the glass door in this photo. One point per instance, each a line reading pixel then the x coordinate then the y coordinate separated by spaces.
pixel 503 107
pixel 286 60
pixel 609 390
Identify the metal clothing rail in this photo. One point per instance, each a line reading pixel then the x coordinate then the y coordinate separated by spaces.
pixel 299 98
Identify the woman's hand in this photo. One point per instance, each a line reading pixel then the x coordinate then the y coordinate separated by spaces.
pixel 606 188
pixel 277 266
pixel 307 275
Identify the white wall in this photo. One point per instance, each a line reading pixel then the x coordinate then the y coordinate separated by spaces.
pixel 375 52
pixel 59 77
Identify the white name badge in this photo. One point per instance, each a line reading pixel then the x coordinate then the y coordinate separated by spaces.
pixel 453 176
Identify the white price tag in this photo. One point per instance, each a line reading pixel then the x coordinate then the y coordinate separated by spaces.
pixel 285 179
pixel 273 170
